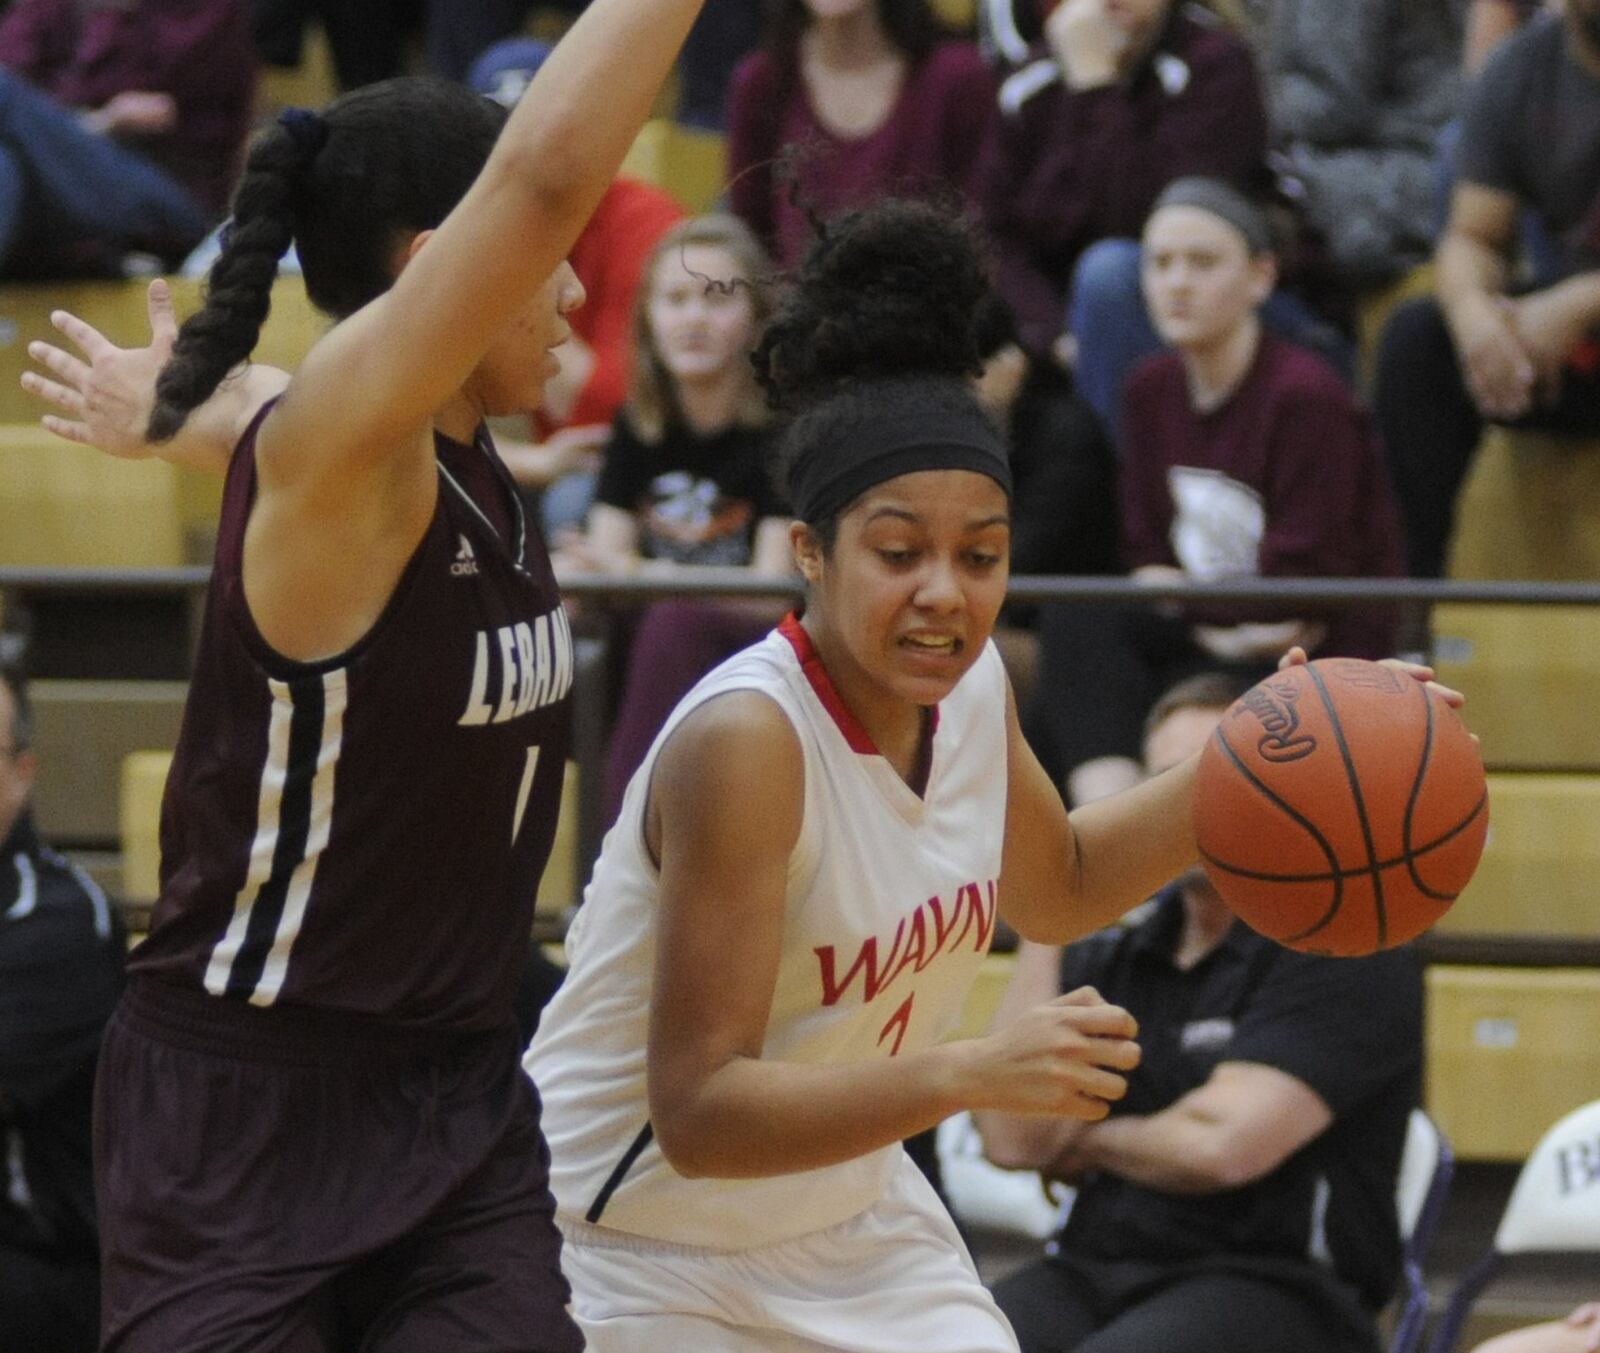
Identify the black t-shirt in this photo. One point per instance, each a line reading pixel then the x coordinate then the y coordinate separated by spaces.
pixel 1350 1028
pixel 61 951
pixel 1531 128
pixel 697 498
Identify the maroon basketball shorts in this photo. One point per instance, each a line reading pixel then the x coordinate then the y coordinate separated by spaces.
pixel 299 1182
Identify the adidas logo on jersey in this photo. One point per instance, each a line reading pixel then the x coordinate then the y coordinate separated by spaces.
pixel 466 564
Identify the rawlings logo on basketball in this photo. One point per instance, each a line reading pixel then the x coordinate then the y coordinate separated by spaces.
pixel 1280 720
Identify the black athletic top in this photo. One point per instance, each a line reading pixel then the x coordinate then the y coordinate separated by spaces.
pixel 367 833
pixel 1350 1028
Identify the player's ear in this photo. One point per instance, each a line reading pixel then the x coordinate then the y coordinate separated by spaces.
pixel 807 550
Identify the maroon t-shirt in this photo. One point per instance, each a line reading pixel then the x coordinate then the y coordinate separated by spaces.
pixel 929 145
pixel 1283 480
pixel 366 834
pixel 1064 169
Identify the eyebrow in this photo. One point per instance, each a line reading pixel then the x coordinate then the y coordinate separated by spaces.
pixel 902 514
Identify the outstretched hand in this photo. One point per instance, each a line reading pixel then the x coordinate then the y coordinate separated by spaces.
pixel 106 396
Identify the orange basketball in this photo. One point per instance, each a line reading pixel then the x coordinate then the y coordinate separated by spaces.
pixel 1340 807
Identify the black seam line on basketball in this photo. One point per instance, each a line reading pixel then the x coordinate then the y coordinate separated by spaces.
pixel 1336 877
pixel 1411 803
pixel 1380 911
pixel 1257 876
pixel 598 1207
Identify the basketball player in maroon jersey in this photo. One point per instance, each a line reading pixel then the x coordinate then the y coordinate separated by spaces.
pixel 312 1129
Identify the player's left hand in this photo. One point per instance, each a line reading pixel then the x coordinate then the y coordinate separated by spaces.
pixel 1296 657
pixel 108 397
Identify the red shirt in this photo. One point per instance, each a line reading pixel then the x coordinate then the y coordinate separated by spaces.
pixel 609 259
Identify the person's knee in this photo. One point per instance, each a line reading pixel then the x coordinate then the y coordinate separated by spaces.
pixel 1415 336
pixel 1105 282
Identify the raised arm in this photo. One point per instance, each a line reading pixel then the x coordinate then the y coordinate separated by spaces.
pixel 387 369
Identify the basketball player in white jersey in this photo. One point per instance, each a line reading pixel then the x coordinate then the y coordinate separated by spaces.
pixel 785 921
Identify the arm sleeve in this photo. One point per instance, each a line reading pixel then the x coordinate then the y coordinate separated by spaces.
pixel 1033 289
pixel 24 44
pixel 1326 64
pixel 1488 154
pixel 1344 1026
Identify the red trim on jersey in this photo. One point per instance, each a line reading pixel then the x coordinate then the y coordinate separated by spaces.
pixel 811 664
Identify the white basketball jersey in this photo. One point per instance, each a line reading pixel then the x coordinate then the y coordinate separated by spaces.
pixel 889 910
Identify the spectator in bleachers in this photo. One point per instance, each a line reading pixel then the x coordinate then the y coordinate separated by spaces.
pixel 1244 456
pixel 1064 507
pixel 61 947
pixel 873 99
pixel 1122 97
pixel 1490 22
pixel 1578 1333
pixel 687 480
pixel 572 425
pixel 121 126
pixel 1241 1196
pixel 1487 349
pixel 1359 93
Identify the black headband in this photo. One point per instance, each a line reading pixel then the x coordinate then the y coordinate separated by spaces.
pixel 894 436
pixel 1223 201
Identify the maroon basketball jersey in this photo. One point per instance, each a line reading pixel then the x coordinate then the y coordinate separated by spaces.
pixel 367 833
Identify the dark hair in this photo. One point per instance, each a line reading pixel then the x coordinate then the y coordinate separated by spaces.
pixel 21 730
pixel 910 25
pixel 882 311
pixel 347 187
pixel 1204 690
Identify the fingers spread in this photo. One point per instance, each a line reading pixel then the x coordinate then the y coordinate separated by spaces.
pixel 67 430
pixel 62 396
pixel 86 336
pixel 163 317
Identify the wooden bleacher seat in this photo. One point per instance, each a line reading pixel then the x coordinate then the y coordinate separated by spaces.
pixel 118 310
pixel 1509 1050
pixel 143 780
pixel 1530 509
pixel 1540 872
pixel 687 162
pixel 84 730
pixel 1529 674
pixel 68 506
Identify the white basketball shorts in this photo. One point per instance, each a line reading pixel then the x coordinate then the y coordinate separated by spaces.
pixel 896 1278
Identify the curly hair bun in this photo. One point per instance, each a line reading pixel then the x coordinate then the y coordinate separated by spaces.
pixel 890 290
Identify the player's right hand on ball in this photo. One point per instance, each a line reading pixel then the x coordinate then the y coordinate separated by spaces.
pixel 1069 1057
